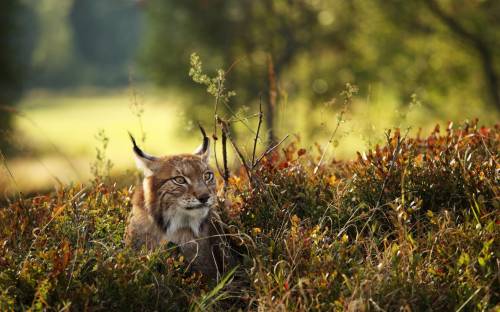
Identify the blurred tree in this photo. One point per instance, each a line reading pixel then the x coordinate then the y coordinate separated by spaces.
pixel 84 42
pixel 260 38
pixel 106 36
pixel 441 49
pixel 481 37
pixel 54 63
pixel 466 28
pixel 17 43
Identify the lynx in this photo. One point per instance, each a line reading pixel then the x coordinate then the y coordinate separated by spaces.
pixel 175 203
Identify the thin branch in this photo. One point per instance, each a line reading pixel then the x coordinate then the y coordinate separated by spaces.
pixel 242 119
pixel 214 135
pixel 6 166
pixel 334 132
pixel 224 161
pixel 269 151
pixel 135 106
pixel 225 129
pixel 258 130
pixel 469 299
pixel 230 110
pixel 234 64
pixel 393 160
pixel 235 115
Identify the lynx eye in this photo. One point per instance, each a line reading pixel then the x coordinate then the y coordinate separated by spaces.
pixel 179 180
pixel 208 176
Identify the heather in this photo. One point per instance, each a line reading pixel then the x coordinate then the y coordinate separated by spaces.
pixel 412 224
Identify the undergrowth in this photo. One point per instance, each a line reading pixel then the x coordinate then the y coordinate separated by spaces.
pixel 411 225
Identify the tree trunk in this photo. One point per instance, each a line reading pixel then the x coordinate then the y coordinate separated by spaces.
pixel 271 101
pixel 484 52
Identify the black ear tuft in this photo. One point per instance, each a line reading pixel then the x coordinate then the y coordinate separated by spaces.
pixel 138 151
pixel 133 140
pixel 206 141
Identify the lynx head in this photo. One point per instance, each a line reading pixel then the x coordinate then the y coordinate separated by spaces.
pixel 178 190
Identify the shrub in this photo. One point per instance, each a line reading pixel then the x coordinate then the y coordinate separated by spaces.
pixel 410 225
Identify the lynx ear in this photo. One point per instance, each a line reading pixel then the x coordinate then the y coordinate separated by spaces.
pixel 145 162
pixel 204 149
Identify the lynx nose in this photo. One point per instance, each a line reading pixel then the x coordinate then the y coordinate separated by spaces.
pixel 203 198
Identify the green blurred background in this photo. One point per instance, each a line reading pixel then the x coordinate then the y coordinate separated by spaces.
pixel 70 69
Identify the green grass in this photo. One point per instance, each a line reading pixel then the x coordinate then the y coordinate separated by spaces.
pixel 72 121
pixel 412 225
pixel 56 133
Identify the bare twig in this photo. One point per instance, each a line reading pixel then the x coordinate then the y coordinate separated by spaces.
pixel 136 107
pixel 235 117
pixel 269 150
pixel 332 136
pixel 220 89
pixel 348 93
pixel 225 129
pixel 393 160
pixel 214 135
pixel 242 119
pixel 234 64
pixel 6 166
pixel 469 299
pixel 224 160
pixel 258 130
pixel 488 150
